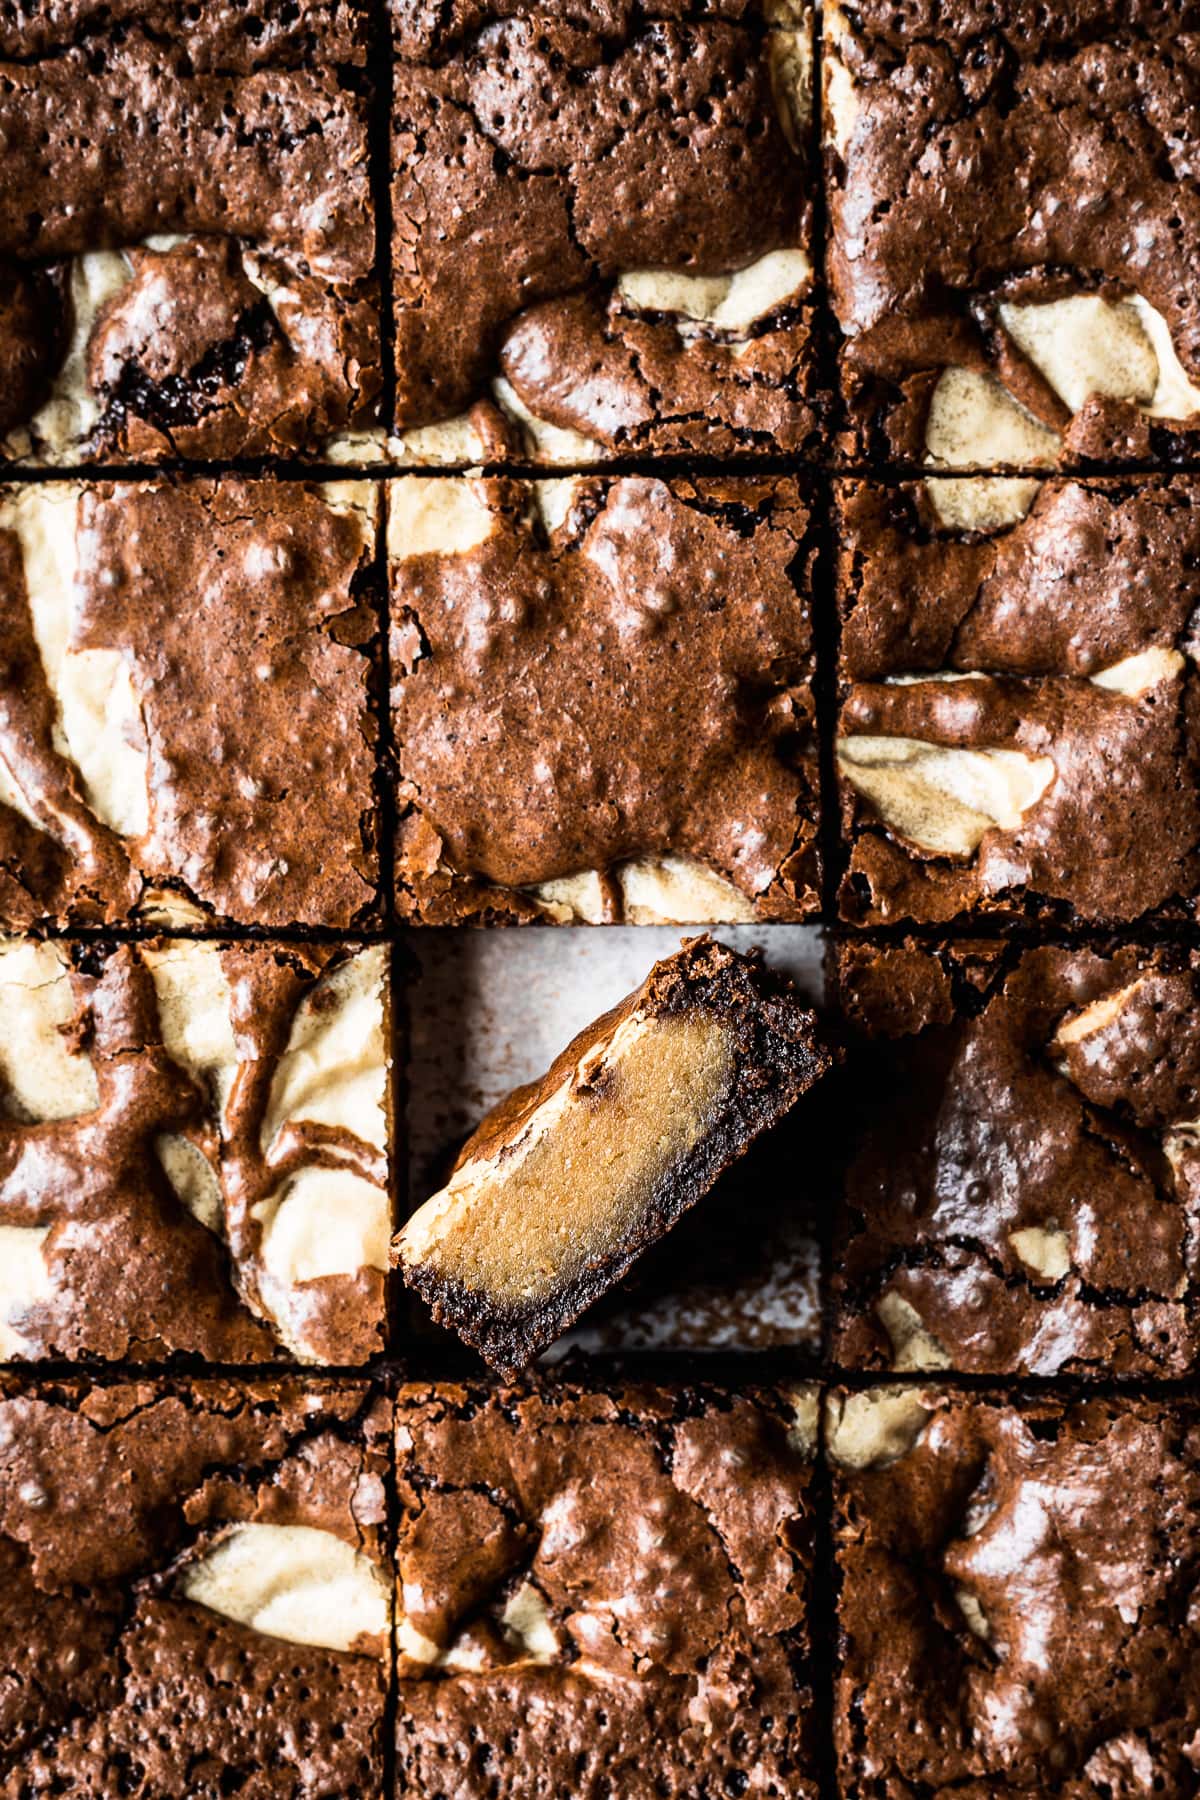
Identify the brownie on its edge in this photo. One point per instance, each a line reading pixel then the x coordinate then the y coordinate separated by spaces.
pixel 1015 226
pixel 570 1179
pixel 185 732
pixel 605 1594
pixel 602 238
pixel 1017 1595
pixel 186 233
pixel 1020 711
pixel 1025 1184
pixel 602 699
pixel 193 1151
pixel 194 1596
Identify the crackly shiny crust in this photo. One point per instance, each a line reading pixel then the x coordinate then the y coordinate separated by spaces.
pixel 245 130
pixel 1098 572
pixel 242 615
pixel 114 1681
pixel 132 1272
pixel 539 152
pixel 682 1645
pixel 1067 1530
pixel 1008 151
pixel 635 682
pixel 1010 1206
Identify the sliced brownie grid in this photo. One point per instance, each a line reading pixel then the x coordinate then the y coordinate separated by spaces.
pixel 658 1569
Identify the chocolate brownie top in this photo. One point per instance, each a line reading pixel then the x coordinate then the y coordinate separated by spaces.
pixel 1022 1198
pixel 220 38
pixel 596 672
pixel 184 705
pixel 209 178
pixel 193 1151
pixel 1019 717
pixel 1008 157
pixel 543 152
pixel 593 1585
pixel 1016 1594
pixel 193 1586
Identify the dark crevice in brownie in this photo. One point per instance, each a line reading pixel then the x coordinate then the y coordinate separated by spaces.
pixel 823 1630
pixel 185 399
pixel 379 143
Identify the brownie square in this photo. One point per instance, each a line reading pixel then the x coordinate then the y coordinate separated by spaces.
pixel 187 237
pixel 571 1177
pixel 603 230
pixel 602 699
pixel 605 1593
pixel 1016 1594
pixel 193 1590
pixel 1023 1190
pixel 1020 715
pixel 185 724
pixel 1014 219
pixel 193 1151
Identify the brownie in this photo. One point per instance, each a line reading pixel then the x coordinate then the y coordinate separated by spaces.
pixel 1024 1181
pixel 603 229
pixel 1014 221
pixel 602 698
pixel 740 1272
pixel 193 1151
pixel 568 1180
pixel 187 238
pixel 192 1590
pixel 1017 1581
pixel 1020 713
pixel 605 1593
pixel 185 724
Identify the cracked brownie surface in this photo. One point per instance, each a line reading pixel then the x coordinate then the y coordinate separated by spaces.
pixel 602 229
pixel 185 730
pixel 565 1183
pixel 194 1591
pixel 186 233
pixel 1016 1602
pixel 604 1592
pixel 1015 218
pixel 602 698
pixel 1019 710
pixel 1023 1198
pixel 193 1151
